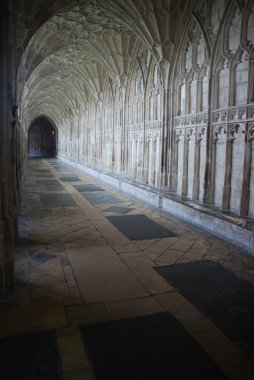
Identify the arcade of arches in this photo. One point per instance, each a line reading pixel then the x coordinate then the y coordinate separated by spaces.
pixel 156 96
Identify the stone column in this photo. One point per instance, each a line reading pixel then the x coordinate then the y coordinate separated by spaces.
pixel 155 159
pixel 165 139
pixel 148 157
pixel 6 162
pixel 185 165
pixel 210 190
pixel 228 167
pixel 196 182
pixel 176 138
pixel 245 196
pixel 174 168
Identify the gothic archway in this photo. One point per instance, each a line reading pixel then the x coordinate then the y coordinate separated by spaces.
pixel 42 138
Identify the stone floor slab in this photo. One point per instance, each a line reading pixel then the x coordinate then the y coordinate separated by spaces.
pixel 102 276
pixel 70 179
pixel 84 374
pixel 219 294
pixel 139 227
pixel 72 353
pixel 78 315
pixel 42 257
pixel 154 283
pixel 147 348
pixel 98 198
pixel 88 187
pixel 44 175
pixel 133 307
pixel 46 316
pixel 31 356
pixel 118 210
pixel 57 200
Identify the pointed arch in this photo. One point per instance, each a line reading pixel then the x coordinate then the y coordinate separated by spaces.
pixel 42 138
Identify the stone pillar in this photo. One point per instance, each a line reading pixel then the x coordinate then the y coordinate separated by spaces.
pixel 228 168
pixel 245 196
pixel 148 157
pixel 124 139
pixel 165 139
pixel 196 179
pixel 185 165
pixel 210 190
pixel 174 161
pixel 155 159
pixel 6 162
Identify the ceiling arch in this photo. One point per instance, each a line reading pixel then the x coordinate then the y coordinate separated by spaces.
pixel 70 56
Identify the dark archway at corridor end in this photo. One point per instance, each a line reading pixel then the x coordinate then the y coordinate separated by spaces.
pixel 42 136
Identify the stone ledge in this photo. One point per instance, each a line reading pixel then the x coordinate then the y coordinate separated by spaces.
pixel 214 224
pixel 232 228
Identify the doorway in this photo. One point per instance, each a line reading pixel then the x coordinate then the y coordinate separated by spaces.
pixel 42 138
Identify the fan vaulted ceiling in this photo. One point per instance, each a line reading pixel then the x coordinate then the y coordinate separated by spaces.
pixel 71 55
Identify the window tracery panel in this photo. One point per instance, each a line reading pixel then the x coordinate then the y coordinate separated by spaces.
pixel 250 27
pixel 205 93
pixel 193 96
pixel 217 11
pixel 201 52
pixel 241 81
pixel 234 32
pixel 223 87
pixel 188 57
pixel 182 99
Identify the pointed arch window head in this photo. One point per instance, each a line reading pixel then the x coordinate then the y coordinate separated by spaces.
pixel 223 85
pixel 155 76
pixel 182 99
pixel 201 52
pixel 217 10
pixel 188 57
pixel 139 84
pixel 241 80
pixel 205 90
pixel 234 32
pixel 250 29
pixel 193 96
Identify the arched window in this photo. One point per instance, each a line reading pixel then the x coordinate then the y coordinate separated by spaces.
pixel 241 82
pixel 188 57
pixel 223 86
pixel 205 93
pixel 193 96
pixel 250 29
pixel 235 32
pixel 182 99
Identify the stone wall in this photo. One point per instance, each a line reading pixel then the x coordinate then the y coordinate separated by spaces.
pixel 186 126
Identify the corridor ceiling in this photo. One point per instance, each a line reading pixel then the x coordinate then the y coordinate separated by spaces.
pixel 72 47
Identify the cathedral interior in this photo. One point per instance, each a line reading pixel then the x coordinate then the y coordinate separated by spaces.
pixel 127 189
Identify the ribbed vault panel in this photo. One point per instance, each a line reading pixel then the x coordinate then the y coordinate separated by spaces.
pixel 79 47
pixel 70 57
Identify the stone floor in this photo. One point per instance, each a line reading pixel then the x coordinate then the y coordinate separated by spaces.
pixel 90 259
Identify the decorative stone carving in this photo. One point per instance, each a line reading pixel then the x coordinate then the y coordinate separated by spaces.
pixel 233 129
pixel 251 132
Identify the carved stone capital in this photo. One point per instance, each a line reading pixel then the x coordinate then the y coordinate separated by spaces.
pixel 250 133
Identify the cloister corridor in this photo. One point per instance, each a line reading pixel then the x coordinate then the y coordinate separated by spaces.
pixel 126 189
